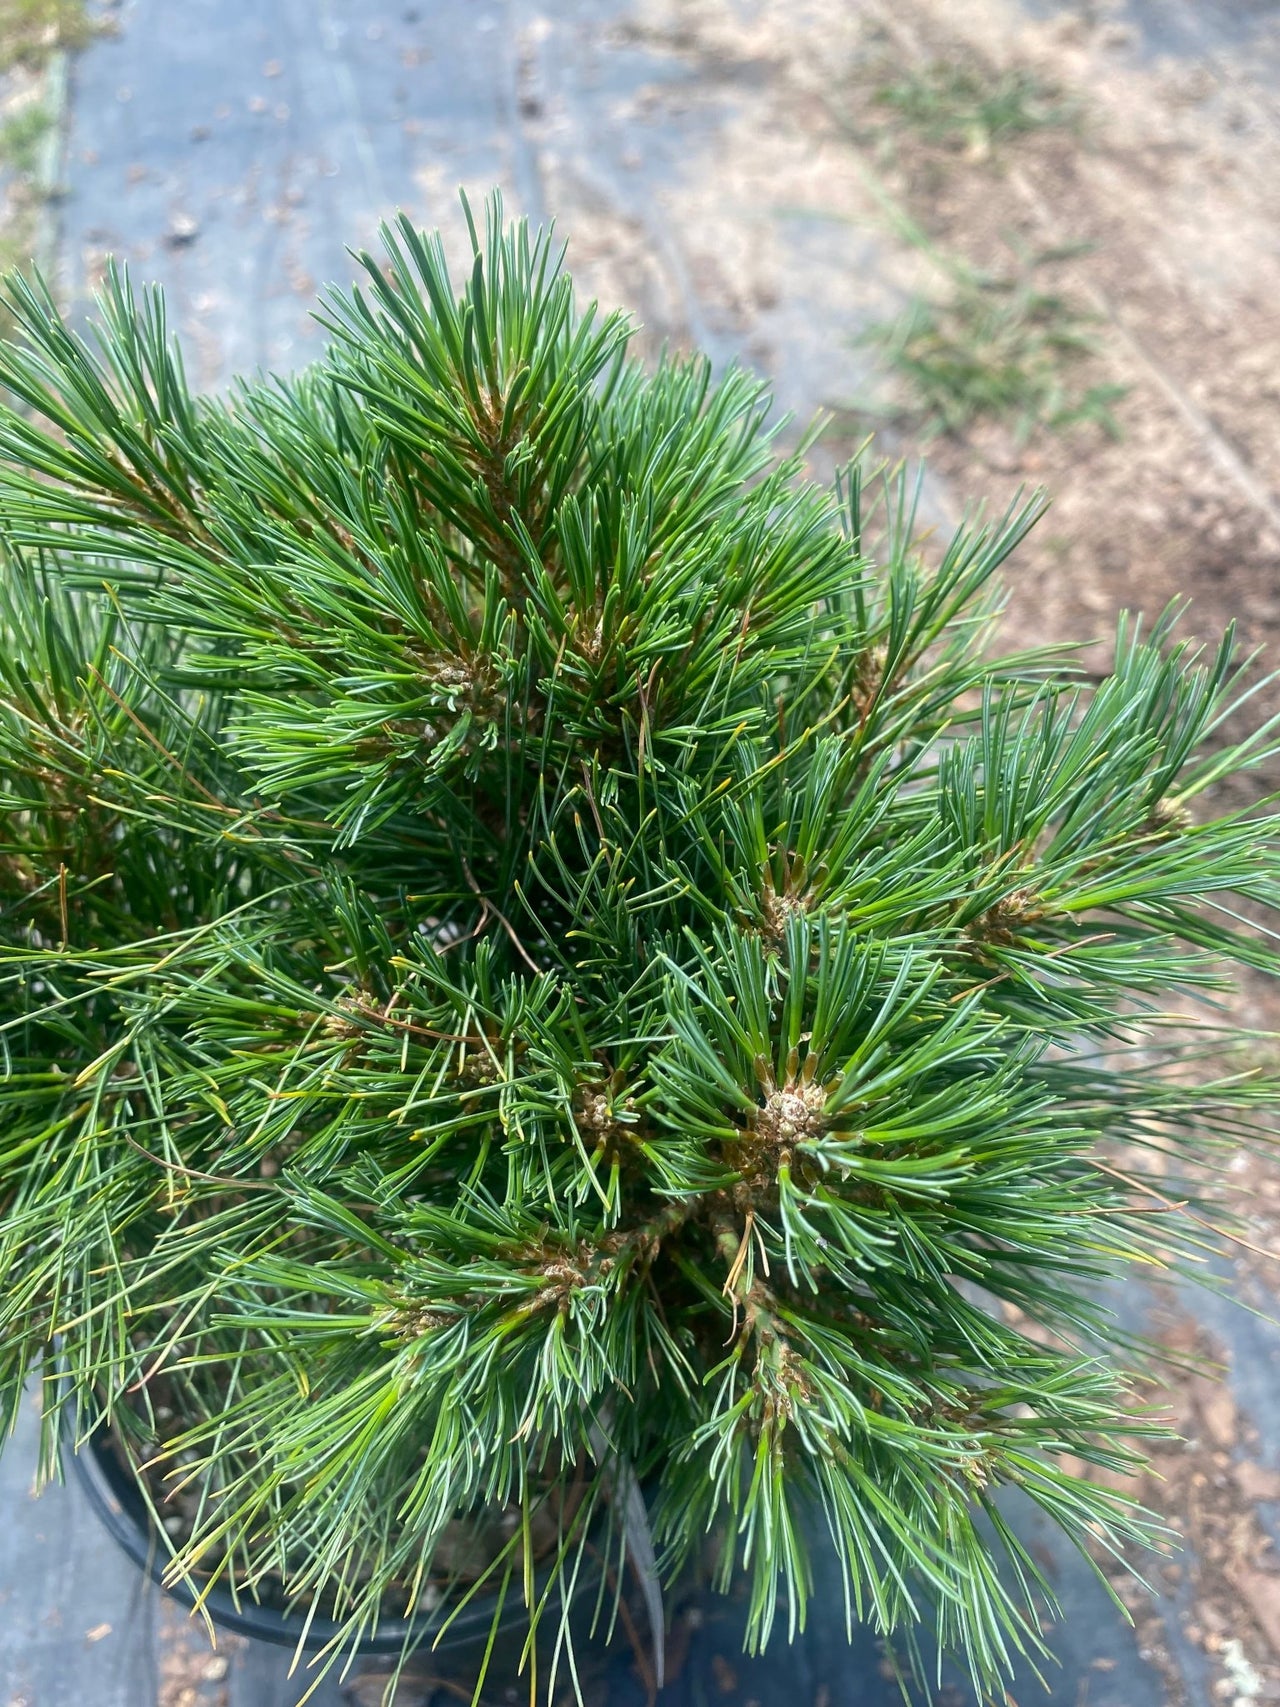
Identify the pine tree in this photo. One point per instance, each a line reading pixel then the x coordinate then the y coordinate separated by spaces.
pixel 537 943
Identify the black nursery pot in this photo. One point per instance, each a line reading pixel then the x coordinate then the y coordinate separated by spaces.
pixel 116 1498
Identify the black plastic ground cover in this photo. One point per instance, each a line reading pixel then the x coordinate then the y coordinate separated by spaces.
pixel 64 1579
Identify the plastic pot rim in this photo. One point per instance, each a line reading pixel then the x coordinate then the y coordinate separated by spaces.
pixel 118 1503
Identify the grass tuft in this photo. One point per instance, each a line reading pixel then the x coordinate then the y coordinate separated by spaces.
pixel 30 30
pixel 997 348
pixel 21 136
pixel 970 107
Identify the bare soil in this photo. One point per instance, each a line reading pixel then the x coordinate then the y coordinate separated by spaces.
pixel 1172 180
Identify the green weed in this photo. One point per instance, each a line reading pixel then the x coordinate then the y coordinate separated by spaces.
pixel 970 107
pixel 997 348
pixel 30 30
pixel 21 137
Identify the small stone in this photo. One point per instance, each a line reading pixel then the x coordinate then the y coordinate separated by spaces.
pixel 183 230
pixel 1261 1593
pixel 1257 1483
pixel 1217 1409
pixel 725 1675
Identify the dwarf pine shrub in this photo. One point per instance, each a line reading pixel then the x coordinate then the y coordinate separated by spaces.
pixel 539 950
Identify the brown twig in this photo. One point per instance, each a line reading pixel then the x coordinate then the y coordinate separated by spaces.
pixel 154 739
pixel 1084 942
pixel 1181 1208
pixel 228 1180
pixel 501 917
pixel 384 1016
pixel 591 800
